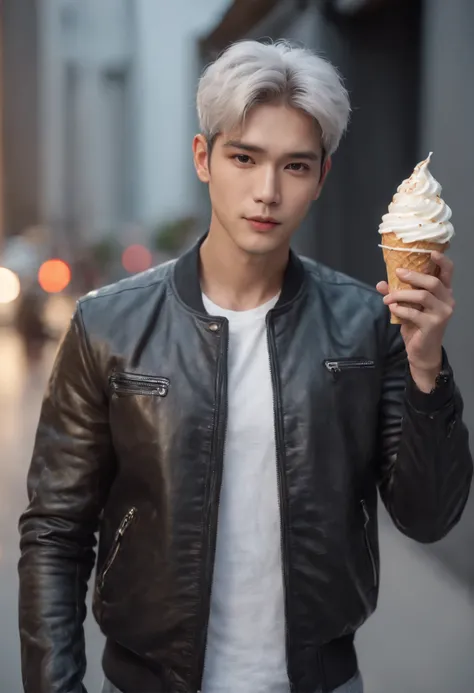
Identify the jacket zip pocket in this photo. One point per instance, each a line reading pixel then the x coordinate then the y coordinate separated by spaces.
pixel 135 384
pixel 367 540
pixel 337 366
pixel 115 548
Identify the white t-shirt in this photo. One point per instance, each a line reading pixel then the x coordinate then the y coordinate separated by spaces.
pixel 246 636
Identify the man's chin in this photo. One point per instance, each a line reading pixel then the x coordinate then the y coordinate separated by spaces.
pixel 261 243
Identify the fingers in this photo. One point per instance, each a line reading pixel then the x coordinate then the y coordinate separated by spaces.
pixel 426 311
pixel 407 314
pixel 446 267
pixel 421 318
pixel 382 288
pixel 419 297
pixel 422 299
pixel 424 281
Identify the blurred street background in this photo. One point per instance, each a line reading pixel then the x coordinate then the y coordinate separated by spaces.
pixel 97 116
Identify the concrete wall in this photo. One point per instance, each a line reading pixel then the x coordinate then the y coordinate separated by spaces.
pixel 447 130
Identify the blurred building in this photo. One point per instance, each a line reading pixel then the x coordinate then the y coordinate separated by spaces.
pixel 19 143
pixel 117 111
pixel 408 66
pixel 86 55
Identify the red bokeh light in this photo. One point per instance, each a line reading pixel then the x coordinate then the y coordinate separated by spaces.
pixel 54 276
pixel 136 258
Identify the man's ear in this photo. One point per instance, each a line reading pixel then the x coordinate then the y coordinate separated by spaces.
pixel 324 174
pixel 201 158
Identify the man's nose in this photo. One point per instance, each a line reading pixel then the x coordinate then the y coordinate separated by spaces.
pixel 267 188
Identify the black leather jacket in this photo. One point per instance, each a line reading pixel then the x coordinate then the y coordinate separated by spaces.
pixel 130 443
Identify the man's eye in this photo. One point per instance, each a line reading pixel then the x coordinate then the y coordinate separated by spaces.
pixel 298 166
pixel 242 158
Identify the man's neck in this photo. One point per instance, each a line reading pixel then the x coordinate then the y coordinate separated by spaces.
pixel 236 280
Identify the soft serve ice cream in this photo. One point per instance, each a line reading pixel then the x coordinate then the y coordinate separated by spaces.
pixel 417 222
pixel 417 212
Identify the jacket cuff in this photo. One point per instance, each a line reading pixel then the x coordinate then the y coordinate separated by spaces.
pixel 439 398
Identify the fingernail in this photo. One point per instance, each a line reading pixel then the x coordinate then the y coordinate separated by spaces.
pixel 403 272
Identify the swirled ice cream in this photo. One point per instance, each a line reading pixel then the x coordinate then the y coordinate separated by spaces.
pixel 417 223
pixel 417 212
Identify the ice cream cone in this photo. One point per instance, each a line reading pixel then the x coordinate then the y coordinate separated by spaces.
pixel 417 223
pixel 414 256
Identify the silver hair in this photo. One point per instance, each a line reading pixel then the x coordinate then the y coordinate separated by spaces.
pixel 250 73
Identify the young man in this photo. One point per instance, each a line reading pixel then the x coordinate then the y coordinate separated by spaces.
pixel 224 422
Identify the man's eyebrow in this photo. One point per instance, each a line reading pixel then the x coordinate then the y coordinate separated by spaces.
pixel 309 155
pixel 237 144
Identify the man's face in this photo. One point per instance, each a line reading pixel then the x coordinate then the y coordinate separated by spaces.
pixel 267 170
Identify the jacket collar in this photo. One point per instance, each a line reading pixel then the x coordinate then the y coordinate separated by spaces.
pixel 187 284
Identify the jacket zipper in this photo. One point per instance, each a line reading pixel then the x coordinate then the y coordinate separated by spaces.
pixel 282 504
pixel 118 538
pixel 134 383
pixel 324 685
pixel 217 466
pixel 336 367
pixel 367 540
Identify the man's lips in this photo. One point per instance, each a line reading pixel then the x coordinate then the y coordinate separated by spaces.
pixel 263 223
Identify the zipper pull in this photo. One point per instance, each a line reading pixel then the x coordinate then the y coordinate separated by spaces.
pixel 126 522
pixel 366 513
pixel 333 367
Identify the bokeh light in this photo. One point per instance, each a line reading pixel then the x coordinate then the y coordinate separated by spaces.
pixel 54 276
pixel 9 286
pixel 136 258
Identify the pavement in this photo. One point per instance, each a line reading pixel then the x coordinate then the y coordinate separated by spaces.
pixel 420 640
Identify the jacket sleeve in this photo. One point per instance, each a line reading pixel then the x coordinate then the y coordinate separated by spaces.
pixel 425 466
pixel 68 480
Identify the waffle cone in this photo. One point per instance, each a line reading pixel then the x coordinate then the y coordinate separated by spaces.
pixel 414 261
